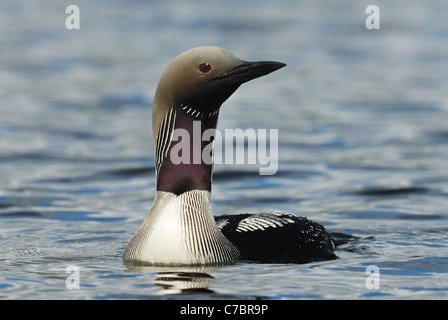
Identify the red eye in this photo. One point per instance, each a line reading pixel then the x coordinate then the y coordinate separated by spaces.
pixel 205 67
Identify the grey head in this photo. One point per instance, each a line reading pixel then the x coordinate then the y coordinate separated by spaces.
pixel 192 88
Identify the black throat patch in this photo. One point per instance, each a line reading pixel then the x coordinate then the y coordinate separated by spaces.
pixel 184 161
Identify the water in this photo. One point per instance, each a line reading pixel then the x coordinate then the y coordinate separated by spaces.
pixel 362 144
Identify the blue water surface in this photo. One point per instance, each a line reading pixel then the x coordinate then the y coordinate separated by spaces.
pixel 363 144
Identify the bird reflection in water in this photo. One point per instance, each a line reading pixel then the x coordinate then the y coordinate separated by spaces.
pixel 180 281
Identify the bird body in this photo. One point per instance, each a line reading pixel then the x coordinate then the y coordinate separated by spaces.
pixel 277 237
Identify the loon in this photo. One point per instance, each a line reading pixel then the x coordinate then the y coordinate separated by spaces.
pixel 180 229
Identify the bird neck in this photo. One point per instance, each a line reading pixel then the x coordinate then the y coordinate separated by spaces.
pixel 184 150
pixel 180 228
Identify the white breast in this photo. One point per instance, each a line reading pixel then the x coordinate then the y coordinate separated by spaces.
pixel 180 230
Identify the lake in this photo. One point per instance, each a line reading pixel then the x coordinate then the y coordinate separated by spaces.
pixel 362 128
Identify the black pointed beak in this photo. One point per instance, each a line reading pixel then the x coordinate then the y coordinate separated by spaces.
pixel 252 70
